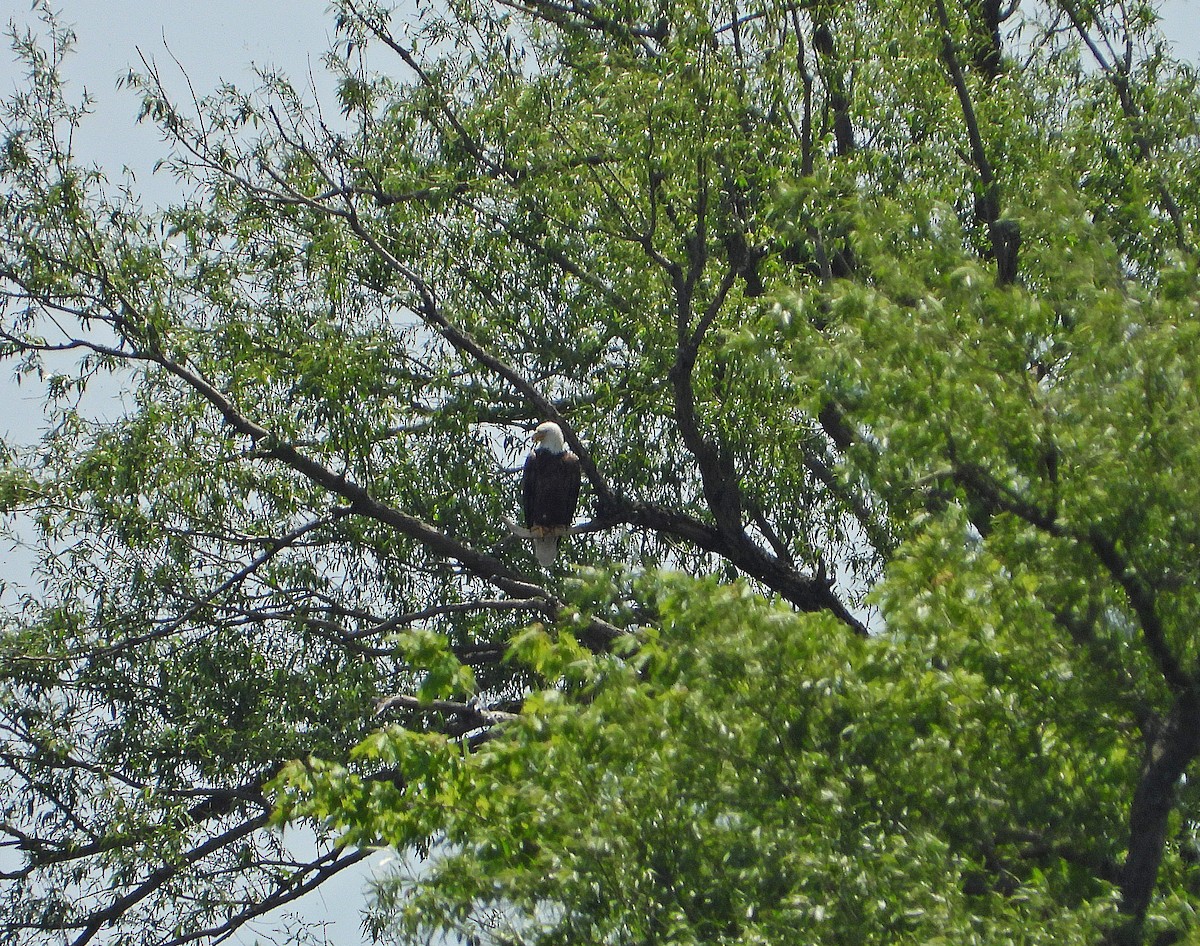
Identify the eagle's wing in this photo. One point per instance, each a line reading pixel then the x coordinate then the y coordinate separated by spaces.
pixel 573 476
pixel 528 488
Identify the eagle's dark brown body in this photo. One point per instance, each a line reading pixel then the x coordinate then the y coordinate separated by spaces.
pixel 550 489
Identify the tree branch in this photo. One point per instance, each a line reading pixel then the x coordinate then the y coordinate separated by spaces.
pixel 1004 235
pixel 474 715
pixel 303 882
pixel 101 918
pixel 1138 592
pixel 1118 78
pixel 1171 753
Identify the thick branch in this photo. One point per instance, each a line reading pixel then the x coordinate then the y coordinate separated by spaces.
pixel 361 502
pixel 1143 600
pixel 805 592
pixel 831 67
pixel 1004 235
pixel 1172 751
pixel 717 475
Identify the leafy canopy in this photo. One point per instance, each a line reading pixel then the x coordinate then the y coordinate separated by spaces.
pixel 876 322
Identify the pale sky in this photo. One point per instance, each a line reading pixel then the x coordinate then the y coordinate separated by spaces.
pixel 217 40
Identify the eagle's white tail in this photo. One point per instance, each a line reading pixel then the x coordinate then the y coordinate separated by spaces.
pixel 546 549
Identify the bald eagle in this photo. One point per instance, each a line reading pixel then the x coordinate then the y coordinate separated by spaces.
pixel 549 490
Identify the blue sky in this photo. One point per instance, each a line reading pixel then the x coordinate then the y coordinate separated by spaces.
pixel 217 40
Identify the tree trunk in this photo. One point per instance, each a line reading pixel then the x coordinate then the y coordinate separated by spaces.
pixel 1174 747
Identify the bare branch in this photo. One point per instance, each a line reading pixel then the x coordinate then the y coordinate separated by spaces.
pixel 160 876
pixel 475 715
pixel 305 880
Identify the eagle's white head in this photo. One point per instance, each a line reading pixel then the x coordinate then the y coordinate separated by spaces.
pixel 549 436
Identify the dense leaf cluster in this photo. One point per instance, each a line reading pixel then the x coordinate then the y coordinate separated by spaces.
pixel 751 775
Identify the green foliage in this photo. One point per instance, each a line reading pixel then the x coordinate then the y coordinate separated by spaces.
pixel 881 316
pixel 751 775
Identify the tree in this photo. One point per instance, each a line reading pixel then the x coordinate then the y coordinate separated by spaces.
pixel 884 312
